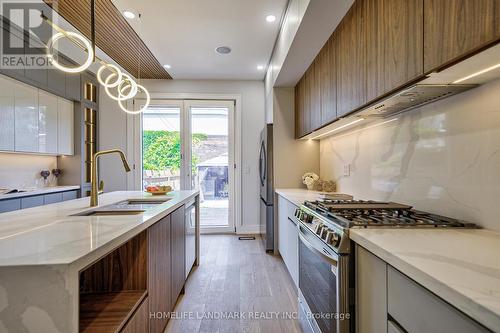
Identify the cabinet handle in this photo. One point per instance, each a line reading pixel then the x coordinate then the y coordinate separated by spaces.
pixel 290 219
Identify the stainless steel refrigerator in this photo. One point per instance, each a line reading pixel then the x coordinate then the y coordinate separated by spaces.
pixel 266 187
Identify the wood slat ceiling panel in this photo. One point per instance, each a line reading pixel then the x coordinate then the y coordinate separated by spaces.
pixel 113 35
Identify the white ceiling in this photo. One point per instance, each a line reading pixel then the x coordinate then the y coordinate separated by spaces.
pixel 185 33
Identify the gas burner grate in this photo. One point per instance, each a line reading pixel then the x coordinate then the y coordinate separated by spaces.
pixel 367 213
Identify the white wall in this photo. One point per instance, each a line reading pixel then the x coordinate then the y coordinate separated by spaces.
pixel 442 158
pixel 292 158
pixel 113 133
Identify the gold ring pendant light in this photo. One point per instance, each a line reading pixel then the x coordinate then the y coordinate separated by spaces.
pixel 126 87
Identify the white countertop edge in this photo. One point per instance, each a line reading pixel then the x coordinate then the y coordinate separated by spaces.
pixel 465 304
pixel 40 191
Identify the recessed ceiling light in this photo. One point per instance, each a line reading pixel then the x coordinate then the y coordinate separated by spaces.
pixel 260 67
pixel 223 50
pixel 167 66
pixel 270 18
pixel 128 14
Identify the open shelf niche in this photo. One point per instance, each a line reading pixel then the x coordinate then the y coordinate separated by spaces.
pixel 113 288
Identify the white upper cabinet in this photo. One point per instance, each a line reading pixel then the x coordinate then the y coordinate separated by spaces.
pixel 47 123
pixel 6 115
pixel 26 118
pixel 34 121
pixel 65 127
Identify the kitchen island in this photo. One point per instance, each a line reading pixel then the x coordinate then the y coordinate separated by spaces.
pixel 55 261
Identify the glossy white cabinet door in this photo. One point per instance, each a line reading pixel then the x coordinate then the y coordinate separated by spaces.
pixel 47 122
pixel 65 127
pixel 6 114
pixel 26 118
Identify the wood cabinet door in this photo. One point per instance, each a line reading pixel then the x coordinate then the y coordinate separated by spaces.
pixel 308 87
pixel 178 252
pixel 394 39
pixel 314 91
pixel 159 273
pixel 300 108
pixel 350 54
pixel 455 28
pixel 327 82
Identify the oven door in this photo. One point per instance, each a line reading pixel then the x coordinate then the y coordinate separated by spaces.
pixel 323 285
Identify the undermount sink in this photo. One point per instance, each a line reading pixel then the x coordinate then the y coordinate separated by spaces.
pixel 111 212
pixel 125 207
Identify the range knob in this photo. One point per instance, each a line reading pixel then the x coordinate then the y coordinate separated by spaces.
pixel 324 233
pixel 319 229
pixel 332 238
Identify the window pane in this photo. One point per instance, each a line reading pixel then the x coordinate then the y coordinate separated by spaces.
pixel 161 146
pixel 209 156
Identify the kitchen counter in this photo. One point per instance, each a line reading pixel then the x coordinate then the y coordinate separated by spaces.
pixel 460 266
pixel 298 195
pixel 49 235
pixel 39 191
pixel 44 249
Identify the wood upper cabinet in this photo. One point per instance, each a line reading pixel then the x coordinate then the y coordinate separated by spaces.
pixel 394 44
pixel 178 252
pixel 159 272
pixel 351 57
pixel 314 93
pixel 455 28
pixel 328 82
pixel 302 110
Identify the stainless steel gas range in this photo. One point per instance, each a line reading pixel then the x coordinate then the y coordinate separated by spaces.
pixel 326 259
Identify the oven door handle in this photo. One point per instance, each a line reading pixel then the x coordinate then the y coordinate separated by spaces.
pixel 326 257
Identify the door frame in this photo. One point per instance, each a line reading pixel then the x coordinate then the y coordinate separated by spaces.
pixel 134 147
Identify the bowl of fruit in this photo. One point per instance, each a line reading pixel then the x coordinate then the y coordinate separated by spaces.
pixel 158 189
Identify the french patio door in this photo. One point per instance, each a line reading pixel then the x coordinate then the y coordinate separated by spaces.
pixel 189 144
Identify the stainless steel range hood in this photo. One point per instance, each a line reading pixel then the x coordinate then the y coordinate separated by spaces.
pixel 467 74
pixel 413 97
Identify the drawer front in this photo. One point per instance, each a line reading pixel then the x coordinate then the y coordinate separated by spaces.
pixel 70 195
pixel 31 201
pixel 52 198
pixel 417 310
pixel 9 205
pixel 139 322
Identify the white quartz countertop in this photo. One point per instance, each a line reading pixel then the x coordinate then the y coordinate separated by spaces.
pixel 298 195
pixel 49 235
pixel 39 191
pixel 460 266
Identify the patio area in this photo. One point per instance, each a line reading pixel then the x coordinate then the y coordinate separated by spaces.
pixel 214 212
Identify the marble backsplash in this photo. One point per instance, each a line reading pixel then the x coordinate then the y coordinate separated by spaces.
pixel 443 158
pixel 23 170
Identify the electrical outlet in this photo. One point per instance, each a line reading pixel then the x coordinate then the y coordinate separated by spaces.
pixel 347 170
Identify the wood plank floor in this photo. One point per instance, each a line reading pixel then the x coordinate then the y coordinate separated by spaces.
pixel 236 278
